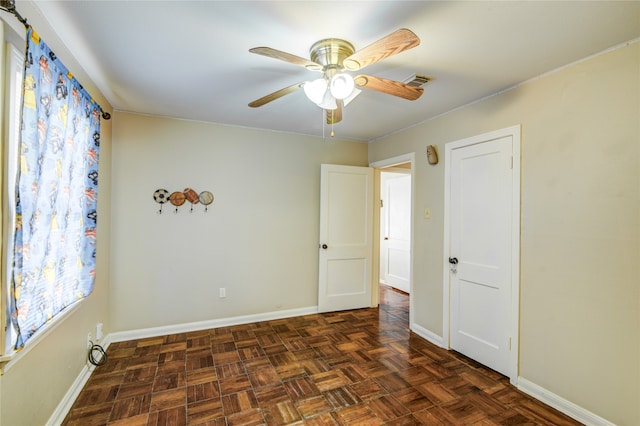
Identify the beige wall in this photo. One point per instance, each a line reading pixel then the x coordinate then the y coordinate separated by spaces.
pixel 580 236
pixel 580 297
pixel 33 387
pixel 259 239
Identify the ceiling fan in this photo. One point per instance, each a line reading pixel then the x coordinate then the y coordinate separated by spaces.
pixel 336 88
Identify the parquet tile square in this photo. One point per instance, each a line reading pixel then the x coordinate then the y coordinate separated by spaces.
pixel 361 367
pixel 313 406
pixel 203 391
pixel 168 399
pixel 170 381
pixel 129 390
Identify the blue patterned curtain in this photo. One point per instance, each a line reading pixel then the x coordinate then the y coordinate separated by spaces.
pixel 56 193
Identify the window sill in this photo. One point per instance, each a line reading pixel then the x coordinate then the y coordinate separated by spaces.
pixel 10 359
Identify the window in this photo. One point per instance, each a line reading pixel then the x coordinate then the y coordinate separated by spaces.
pixel 49 192
pixel 14 64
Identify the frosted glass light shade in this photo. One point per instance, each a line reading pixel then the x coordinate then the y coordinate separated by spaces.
pixel 328 101
pixel 341 85
pixel 315 90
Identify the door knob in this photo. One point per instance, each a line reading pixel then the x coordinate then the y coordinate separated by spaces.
pixel 453 260
pixel 324 246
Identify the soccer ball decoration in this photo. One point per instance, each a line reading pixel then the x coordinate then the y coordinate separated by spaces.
pixel 161 196
pixel 178 198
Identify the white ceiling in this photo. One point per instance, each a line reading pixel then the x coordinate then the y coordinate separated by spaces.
pixel 191 60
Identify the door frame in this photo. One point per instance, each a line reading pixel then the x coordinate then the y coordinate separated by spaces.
pixel 514 133
pixel 375 276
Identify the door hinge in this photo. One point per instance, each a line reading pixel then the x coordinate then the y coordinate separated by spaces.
pixel 381 203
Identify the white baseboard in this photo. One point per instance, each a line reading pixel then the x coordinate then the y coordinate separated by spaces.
pixel 428 335
pixel 122 336
pixel 70 397
pixel 567 407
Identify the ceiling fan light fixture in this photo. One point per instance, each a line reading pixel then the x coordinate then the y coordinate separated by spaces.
pixel 341 86
pixel 328 101
pixel 315 90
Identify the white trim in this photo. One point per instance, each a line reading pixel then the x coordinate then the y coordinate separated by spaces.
pixel 12 98
pixel 400 159
pixel 394 161
pixel 142 333
pixel 514 133
pixel 13 358
pixel 567 407
pixel 63 408
pixel 428 335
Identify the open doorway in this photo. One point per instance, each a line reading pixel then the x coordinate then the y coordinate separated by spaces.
pixel 393 237
pixel 395 226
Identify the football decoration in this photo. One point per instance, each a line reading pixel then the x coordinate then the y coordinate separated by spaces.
pixel 161 196
pixel 192 196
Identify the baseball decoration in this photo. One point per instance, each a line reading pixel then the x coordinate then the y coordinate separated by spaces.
pixel 161 196
pixel 178 198
pixel 206 198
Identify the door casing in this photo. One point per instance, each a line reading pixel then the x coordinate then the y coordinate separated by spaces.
pixel 514 133
pixel 377 165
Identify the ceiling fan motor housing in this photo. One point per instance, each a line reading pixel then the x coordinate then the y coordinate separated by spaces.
pixel 330 53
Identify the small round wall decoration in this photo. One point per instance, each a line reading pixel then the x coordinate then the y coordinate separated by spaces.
pixel 192 196
pixel 161 196
pixel 205 198
pixel 177 199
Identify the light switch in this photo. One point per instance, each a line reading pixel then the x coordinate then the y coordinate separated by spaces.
pixel 427 213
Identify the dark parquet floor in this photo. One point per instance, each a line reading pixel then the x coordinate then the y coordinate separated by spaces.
pixel 360 367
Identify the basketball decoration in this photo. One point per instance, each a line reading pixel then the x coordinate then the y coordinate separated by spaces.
pixel 161 196
pixel 178 198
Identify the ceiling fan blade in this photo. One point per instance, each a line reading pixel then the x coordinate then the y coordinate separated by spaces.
pixel 394 43
pixel 389 87
pixel 287 57
pixel 275 95
pixel 335 115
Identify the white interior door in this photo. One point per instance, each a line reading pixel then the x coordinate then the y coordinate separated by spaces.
pixel 481 219
pixel 346 232
pixel 395 220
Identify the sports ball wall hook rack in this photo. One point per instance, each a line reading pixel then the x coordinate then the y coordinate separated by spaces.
pixel 178 198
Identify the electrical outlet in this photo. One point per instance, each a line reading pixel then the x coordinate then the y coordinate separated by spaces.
pixel 89 341
pixel 98 331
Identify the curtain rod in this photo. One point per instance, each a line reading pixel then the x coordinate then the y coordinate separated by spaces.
pixel 10 6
